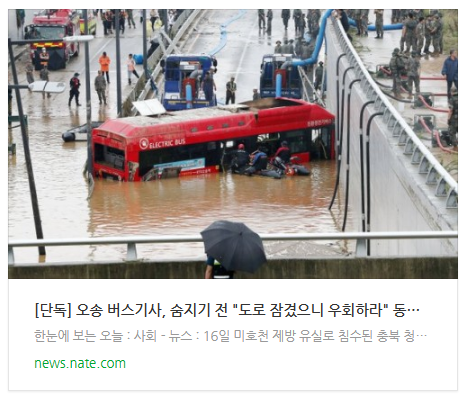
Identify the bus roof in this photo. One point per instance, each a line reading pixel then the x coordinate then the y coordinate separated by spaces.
pixel 188 56
pixel 264 111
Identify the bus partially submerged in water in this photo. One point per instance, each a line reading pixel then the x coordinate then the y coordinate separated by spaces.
pixel 183 75
pixel 195 142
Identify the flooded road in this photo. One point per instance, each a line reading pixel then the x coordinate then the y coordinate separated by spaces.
pixel 173 206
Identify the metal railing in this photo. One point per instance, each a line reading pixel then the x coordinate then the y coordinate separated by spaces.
pixel 361 238
pixel 428 165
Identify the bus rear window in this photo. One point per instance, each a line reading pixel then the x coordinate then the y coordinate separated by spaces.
pixel 110 157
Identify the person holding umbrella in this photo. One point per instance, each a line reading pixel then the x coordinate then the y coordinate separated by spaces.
pixel 214 269
pixel 231 247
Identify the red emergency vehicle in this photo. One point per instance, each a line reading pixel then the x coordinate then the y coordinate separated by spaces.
pixel 54 25
pixel 195 141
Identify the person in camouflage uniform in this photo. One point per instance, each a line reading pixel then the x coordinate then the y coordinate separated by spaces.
pixel 44 76
pixel 261 19
pixel 428 33
pixel 319 74
pixel 396 68
pixel 379 23
pixel 313 16
pixel 364 21
pixel 278 47
pixel 100 87
pixel 285 14
pixel 409 31
pixel 453 118
pixel 420 33
pixel 414 73
pixel 435 35
pixel 438 37
pixel 358 19
pixel 297 16
pixel 269 17
pixel 299 47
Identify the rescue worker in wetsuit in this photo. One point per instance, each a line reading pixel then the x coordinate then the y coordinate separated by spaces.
pixel 284 152
pixel 258 163
pixel 282 156
pixel 240 159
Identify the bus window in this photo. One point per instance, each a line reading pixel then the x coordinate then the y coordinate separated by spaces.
pixel 108 156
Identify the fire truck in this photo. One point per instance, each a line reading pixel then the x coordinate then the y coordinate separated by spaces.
pixel 54 25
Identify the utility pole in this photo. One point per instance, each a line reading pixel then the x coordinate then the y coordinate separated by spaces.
pixel 27 153
pixel 118 66
pixel 144 34
pixel 87 95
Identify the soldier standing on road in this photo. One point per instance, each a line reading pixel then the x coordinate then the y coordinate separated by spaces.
pixel 130 18
pixel 379 23
pixel 297 16
pixel 269 16
pixel 414 73
pixel 29 72
pixel 291 48
pixel 256 94
pixel 396 67
pixel 409 31
pixel 438 37
pixel 74 83
pixel 278 47
pixel 261 19
pixel 285 17
pixel 44 75
pixel 428 33
pixel 284 47
pixel 100 87
pixel 434 33
pixel 319 74
pixel 420 33
pixel 231 88
pixel 453 119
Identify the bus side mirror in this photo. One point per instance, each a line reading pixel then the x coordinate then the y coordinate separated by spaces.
pixel 162 63
pixel 215 63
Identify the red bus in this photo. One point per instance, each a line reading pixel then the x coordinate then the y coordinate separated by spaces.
pixel 195 141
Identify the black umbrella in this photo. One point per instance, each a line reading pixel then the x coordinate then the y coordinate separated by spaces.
pixel 234 245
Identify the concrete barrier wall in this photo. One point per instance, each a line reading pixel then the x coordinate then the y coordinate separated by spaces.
pixel 326 268
pixel 398 200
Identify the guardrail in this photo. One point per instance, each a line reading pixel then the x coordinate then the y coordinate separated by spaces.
pixel 428 165
pixel 361 238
